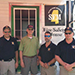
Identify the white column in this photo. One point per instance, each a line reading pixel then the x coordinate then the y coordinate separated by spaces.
pixel 69 12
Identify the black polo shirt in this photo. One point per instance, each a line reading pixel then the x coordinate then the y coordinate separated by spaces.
pixel 47 53
pixel 8 48
pixel 66 51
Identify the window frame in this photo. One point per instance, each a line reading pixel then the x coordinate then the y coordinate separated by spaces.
pixel 13 18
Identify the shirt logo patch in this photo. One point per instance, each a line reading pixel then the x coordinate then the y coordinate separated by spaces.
pixel 12 43
pixel 48 49
pixel 73 46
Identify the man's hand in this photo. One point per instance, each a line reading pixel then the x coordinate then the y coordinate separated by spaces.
pixel 46 65
pixel 16 65
pixel 22 64
pixel 37 62
pixel 42 64
pixel 68 67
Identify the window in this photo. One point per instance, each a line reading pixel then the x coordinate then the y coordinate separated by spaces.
pixel 23 18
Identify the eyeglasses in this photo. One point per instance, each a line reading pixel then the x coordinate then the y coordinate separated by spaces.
pixel 30 29
pixel 6 31
pixel 68 33
pixel 47 35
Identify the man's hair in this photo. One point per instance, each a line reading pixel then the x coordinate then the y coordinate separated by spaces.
pixel 48 33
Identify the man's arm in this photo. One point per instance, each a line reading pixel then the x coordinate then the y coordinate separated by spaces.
pixel 49 63
pixel 37 52
pixel 52 61
pixel 67 66
pixel 73 64
pixel 39 58
pixel 21 59
pixel 59 60
pixel 16 65
pixel 41 63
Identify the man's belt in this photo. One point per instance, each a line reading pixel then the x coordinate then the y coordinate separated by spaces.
pixel 5 60
pixel 29 56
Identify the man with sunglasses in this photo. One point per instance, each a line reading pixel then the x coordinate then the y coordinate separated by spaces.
pixel 47 56
pixel 65 53
pixel 8 51
pixel 28 52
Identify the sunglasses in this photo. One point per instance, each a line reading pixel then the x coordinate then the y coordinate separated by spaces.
pixel 30 29
pixel 68 33
pixel 47 35
pixel 6 31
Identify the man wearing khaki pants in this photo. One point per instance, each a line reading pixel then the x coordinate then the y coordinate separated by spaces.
pixel 47 56
pixel 65 53
pixel 8 51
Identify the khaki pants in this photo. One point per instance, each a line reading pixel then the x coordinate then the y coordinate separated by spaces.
pixel 63 71
pixel 50 71
pixel 7 67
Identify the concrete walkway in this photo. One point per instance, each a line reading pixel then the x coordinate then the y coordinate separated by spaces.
pixel 40 73
pixel 29 74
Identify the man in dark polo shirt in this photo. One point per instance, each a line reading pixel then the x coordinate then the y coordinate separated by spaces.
pixel 8 50
pixel 47 56
pixel 65 53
